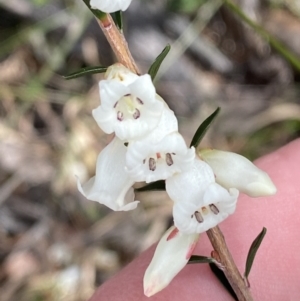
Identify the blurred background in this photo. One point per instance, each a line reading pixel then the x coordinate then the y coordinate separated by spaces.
pixel 54 244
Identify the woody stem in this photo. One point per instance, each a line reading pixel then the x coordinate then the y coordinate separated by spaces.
pixel 231 272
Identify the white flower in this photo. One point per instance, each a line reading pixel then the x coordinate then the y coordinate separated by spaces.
pixel 199 202
pixel 146 161
pixel 110 6
pixel 129 104
pixel 171 255
pixel 111 186
pixel 233 170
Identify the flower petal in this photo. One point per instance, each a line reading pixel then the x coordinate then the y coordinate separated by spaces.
pixel 167 124
pixel 143 88
pixel 150 162
pixel 233 170
pixel 110 6
pixel 111 186
pixel 199 202
pixel 189 186
pixel 186 220
pixel 171 255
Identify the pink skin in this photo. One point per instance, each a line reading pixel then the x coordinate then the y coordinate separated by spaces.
pixel 275 274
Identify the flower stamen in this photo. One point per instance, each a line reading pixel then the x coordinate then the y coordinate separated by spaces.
pixel 139 101
pixel 214 209
pixel 199 217
pixel 120 116
pixel 169 159
pixel 136 114
pixel 152 164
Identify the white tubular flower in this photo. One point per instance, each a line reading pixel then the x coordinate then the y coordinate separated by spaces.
pixel 199 202
pixel 129 105
pixel 110 6
pixel 111 186
pixel 171 255
pixel 150 162
pixel 233 170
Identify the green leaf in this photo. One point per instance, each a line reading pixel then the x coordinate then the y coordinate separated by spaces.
pixel 86 71
pixel 252 251
pixel 222 278
pixel 200 259
pixel 202 129
pixel 158 61
pixel 155 186
pixel 117 16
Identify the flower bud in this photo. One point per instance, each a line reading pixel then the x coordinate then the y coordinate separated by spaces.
pixel 235 171
pixel 171 255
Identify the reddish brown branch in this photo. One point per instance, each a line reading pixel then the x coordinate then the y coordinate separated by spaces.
pixel 230 270
pixel 117 42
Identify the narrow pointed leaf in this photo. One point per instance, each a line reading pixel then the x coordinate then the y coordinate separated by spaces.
pixel 202 129
pixel 155 186
pixel 252 251
pixel 85 71
pixel 117 16
pixel 222 278
pixel 158 61
pixel 200 259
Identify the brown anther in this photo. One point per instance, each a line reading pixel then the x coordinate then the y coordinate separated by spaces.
pixel 136 114
pixel 115 104
pixel 214 209
pixel 144 161
pixel 139 101
pixel 152 164
pixel 120 116
pixel 199 217
pixel 127 95
pixel 169 159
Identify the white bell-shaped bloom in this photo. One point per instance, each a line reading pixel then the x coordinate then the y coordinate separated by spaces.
pixel 110 6
pixel 129 105
pixel 171 255
pixel 233 170
pixel 111 186
pixel 199 202
pixel 146 161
